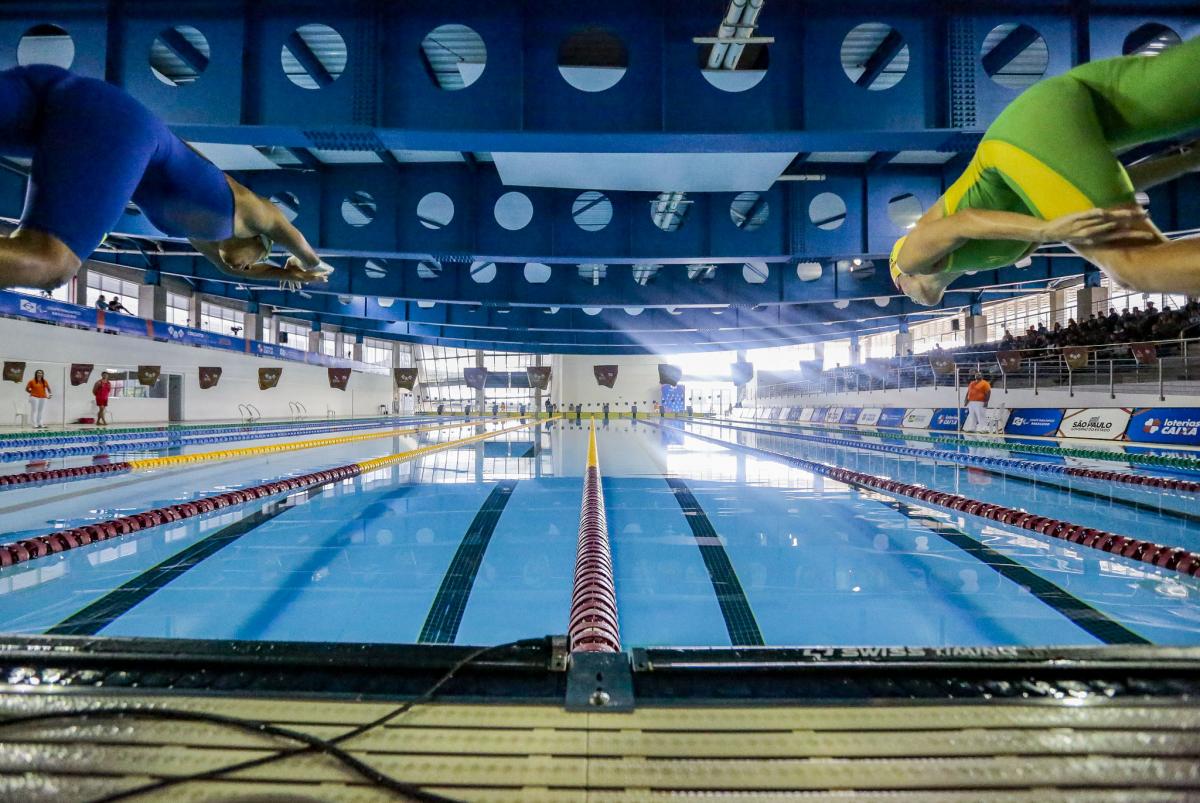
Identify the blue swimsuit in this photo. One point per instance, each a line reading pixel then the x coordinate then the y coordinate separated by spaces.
pixel 94 148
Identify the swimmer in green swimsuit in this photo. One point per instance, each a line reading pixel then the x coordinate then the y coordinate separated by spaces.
pixel 1046 171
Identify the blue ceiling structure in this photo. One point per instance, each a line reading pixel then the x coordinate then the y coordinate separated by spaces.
pixel 578 177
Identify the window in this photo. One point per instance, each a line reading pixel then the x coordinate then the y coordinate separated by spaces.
pixel 268 336
pixel 1018 314
pixel 878 346
pixel 440 372
pixel 60 293
pixel 377 352
pixel 1123 299
pixel 221 319
pixel 125 385
pixel 101 284
pixel 939 331
pixel 294 335
pixel 329 344
pixel 179 309
pixel 837 352
pixel 781 358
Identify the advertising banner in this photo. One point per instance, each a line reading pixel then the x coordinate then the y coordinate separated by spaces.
pixel 917 418
pixel 1034 421
pixel 833 415
pixel 46 309
pixel 268 377
pixel 475 377
pixel 81 372
pixel 1179 426
pixel 124 324
pixel 1010 361
pixel 672 398
pixel 14 371
pixel 338 378
pixel 818 415
pixel 148 374
pixel 669 374
pixel 405 377
pixel 1095 423
pixel 806 414
pixel 538 376
pixel 942 366
pixel 606 375
pixel 198 337
pixel 850 415
pixel 1144 353
pixel 948 419
pixel 1076 357
pixel 892 417
pixel 869 417
pixel 210 375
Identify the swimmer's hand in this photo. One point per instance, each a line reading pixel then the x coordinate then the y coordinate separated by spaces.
pixel 1095 226
pixel 296 270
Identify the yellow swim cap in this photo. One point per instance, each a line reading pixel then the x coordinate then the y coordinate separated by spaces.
pixel 893 268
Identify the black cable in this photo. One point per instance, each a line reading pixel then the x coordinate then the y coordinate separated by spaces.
pixel 311 743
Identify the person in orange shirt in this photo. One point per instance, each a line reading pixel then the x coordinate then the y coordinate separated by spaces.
pixel 39 391
pixel 978 394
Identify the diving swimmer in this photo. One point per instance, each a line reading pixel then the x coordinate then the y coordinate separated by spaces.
pixel 1047 171
pixel 93 149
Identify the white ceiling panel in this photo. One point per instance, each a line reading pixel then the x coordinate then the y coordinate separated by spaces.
pixel 648 172
pixel 234 157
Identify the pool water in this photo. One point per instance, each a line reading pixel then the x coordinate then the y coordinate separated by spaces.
pixel 715 541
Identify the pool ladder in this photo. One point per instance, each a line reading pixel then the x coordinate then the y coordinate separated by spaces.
pixel 298 410
pixel 249 413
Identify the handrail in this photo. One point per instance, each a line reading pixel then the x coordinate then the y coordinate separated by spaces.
pixel 257 413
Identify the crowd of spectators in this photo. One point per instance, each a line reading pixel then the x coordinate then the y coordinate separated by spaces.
pixel 1134 325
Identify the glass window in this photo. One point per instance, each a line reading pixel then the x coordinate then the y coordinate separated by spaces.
pixel 294 335
pixel 101 284
pixel 781 358
pixel 938 332
pixel 377 352
pixel 179 309
pixel 329 344
pixel 125 385
pixel 60 293
pixel 221 319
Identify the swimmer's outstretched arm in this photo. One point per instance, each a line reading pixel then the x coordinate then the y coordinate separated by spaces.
pixel 930 242
pixel 1164 167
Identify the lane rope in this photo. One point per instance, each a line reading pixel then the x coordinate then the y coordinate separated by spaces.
pixel 40 546
pixel 592 625
pixel 1166 557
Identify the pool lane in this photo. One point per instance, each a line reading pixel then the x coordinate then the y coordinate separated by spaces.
pixel 1148 602
pixel 359 561
pixel 39 509
pixel 1172 517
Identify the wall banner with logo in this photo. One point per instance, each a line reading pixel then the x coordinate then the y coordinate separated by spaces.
pixel 948 419
pixel 917 418
pixel 869 417
pixel 1043 421
pixel 1179 426
pixel 892 417
pixel 1095 423
pixel 850 415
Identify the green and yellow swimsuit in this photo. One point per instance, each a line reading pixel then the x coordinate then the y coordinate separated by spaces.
pixel 1052 151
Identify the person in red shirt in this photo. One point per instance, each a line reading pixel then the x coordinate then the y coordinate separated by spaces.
pixel 978 394
pixel 101 391
pixel 39 391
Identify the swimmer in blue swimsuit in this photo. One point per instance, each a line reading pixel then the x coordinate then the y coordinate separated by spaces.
pixel 94 148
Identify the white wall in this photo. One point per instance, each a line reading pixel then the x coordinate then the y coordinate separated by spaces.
pixel 54 348
pixel 637 381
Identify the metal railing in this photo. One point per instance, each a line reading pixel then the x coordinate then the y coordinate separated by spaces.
pixel 249 413
pixel 297 410
pixel 1177 361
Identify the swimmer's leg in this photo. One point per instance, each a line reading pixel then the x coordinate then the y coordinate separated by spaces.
pixel 91 150
pixel 32 258
pixel 1158 266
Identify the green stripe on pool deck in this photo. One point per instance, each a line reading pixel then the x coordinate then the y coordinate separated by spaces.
pixel 446 613
pixel 735 608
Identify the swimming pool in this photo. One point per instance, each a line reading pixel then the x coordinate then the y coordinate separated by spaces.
pixel 722 533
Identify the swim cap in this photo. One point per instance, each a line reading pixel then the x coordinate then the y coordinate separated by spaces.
pixel 893 268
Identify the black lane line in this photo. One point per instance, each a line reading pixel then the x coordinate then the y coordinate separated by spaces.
pixel 1079 612
pixel 104 611
pixel 446 612
pixel 735 608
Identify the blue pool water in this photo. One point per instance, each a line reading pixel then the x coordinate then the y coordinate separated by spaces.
pixel 714 542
